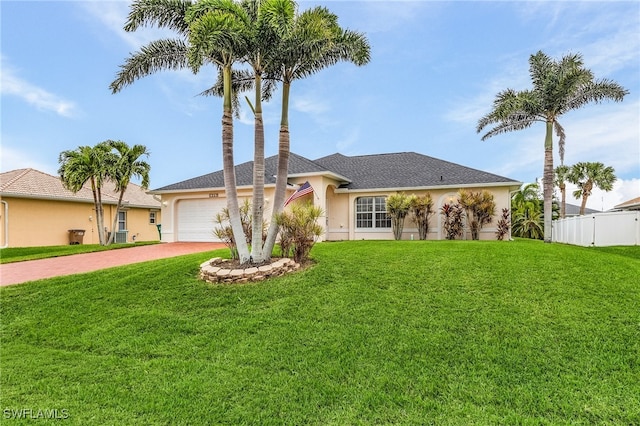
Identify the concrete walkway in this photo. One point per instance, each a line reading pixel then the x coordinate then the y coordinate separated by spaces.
pixel 20 272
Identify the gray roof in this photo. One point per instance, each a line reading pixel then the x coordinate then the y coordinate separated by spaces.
pixel 379 171
pixel 573 210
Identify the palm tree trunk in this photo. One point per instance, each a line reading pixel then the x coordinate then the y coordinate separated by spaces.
pixel 283 168
pixel 563 205
pixel 547 182
pixel 97 202
pixel 229 172
pixel 258 176
pixel 112 237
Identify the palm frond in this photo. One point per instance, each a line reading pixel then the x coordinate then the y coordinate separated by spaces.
pixel 160 13
pixel 156 56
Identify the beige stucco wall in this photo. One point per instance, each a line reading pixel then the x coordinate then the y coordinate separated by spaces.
pixel 341 215
pixel 338 206
pixel 35 222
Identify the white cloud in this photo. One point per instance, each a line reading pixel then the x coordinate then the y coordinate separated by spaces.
pixel 113 15
pixel 13 159
pixel 12 84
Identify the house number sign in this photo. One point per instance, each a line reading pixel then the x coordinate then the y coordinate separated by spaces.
pixel 213 195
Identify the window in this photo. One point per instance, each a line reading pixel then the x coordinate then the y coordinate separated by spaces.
pixel 122 221
pixel 152 218
pixel 371 212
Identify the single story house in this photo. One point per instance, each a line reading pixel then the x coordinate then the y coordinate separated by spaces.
pixel 350 190
pixel 632 204
pixel 36 210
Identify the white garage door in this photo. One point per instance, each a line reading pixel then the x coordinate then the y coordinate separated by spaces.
pixel 196 219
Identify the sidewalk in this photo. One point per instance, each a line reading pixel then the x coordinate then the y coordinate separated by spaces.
pixel 19 272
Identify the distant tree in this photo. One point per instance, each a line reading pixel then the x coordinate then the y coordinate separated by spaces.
pixel 421 208
pixel 126 164
pixel 561 174
pixel 479 207
pixel 559 86
pixel 589 175
pixel 398 206
pixel 88 164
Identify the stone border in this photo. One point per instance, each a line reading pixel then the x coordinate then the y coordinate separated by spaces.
pixel 214 271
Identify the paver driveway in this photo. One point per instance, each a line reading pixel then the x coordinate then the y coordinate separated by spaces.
pixel 19 272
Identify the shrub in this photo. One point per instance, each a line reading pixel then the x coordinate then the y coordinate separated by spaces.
pixel 421 209
pixel 398 206
pixel 504 224
pixel 479 207
pixel 452 220
pixel 225 233
pixel 299 230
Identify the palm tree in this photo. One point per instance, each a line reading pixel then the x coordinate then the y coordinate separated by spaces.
pixel 561 174
pixel 558 87
pixel 127 164
pixel 219 32
pixel 587 175
pixel 312 41
pixel 526 212
pixel 87 164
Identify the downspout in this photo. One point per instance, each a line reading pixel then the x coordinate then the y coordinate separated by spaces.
pixel 510 223
pixel 6 224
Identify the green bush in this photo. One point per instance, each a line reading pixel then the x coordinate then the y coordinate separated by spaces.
pixel 299 230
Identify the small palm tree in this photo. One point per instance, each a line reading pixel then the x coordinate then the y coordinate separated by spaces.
pixel 87 164
pixel 589 175
pixel 126 165
pixel 558 87
pixel 561 174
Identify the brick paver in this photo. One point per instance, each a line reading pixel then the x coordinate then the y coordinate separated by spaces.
pixel 19 272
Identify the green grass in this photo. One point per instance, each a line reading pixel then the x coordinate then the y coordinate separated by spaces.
pixel 409 332
pixel 20 254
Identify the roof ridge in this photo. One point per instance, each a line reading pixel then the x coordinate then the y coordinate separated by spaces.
pixel 16 177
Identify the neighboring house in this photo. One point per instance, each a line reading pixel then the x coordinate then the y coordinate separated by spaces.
pixel 633 204
pixel 573 210
pixel 351 191
pixel 36 210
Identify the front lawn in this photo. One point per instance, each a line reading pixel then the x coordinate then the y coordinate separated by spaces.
pixel 394 332
pixel 20 254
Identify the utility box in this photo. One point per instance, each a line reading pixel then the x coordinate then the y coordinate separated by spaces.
pixel 76 236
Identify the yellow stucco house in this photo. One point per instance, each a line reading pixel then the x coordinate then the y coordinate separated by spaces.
pixel 36 210
pixel 350 190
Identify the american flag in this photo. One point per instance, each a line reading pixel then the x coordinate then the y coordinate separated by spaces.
pixel 303 190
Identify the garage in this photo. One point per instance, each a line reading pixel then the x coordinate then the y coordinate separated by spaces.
pixel 196 219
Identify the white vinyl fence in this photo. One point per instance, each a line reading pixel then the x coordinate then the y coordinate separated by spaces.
pixel 599 229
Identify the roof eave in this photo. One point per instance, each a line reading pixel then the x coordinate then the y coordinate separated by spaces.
pixel 510 185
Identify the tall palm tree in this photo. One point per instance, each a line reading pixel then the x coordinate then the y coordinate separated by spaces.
pixel 219 33
pixel 312 41
pixel 587 175
pixel 127 164
pixel 560 180
pixel 87 164
pixel 559 86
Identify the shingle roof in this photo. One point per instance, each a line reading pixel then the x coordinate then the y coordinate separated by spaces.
pixel 405 170
pixel 573 210
pixel 31 183
pixel 380 171
pixel 244 174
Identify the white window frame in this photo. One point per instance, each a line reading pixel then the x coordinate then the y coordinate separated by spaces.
pixel 122 220
pixel 373 212
pixel 152 218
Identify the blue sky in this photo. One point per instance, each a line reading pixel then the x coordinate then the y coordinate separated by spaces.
pixel 435 69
